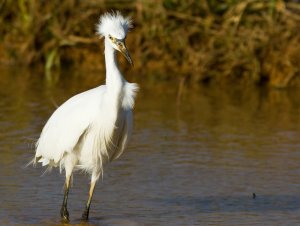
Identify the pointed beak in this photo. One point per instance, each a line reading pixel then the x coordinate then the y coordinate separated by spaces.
pixel 125 53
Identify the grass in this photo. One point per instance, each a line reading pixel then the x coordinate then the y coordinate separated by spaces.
pixel 250 41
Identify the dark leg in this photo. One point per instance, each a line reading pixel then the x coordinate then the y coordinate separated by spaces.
pixel 86 211
pixel 63 211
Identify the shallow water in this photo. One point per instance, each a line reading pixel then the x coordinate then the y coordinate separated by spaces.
pixel 196 163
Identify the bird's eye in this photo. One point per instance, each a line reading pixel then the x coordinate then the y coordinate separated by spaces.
pixel 109 36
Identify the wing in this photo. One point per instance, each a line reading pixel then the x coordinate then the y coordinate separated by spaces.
pixel 64 128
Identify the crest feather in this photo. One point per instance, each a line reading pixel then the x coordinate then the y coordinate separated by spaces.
pixel 113 23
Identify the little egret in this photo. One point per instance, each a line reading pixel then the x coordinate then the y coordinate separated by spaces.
pixel 93 127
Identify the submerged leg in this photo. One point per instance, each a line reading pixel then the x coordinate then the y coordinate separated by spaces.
pixel 86 211
pixel 63 211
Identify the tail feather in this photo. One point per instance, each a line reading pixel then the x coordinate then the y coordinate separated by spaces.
pixel 44 161
pixel 31 162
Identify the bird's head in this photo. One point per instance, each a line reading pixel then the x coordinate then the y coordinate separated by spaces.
pixel 114 28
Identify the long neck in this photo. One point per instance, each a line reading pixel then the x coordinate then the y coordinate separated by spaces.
pixel 114 78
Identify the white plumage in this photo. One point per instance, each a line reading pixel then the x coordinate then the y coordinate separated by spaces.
pixel 92 127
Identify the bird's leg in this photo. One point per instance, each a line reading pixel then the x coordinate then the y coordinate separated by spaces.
pixel 63 211
pixel 85 214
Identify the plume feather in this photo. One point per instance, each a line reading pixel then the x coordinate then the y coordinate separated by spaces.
pixel 113 23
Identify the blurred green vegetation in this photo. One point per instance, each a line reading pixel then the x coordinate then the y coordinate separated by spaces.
pixel 249 41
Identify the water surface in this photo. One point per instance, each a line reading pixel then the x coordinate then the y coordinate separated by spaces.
pixel 197 163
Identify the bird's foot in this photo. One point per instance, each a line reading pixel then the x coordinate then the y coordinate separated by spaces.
pixel 64 214
pixel 85 215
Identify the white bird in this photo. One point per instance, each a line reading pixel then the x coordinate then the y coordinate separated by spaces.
pixel 93 127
